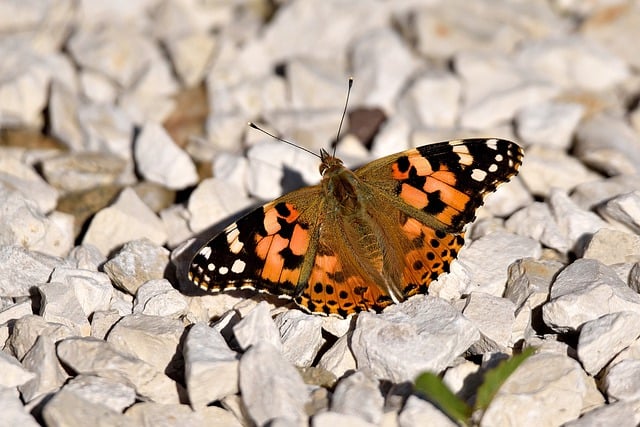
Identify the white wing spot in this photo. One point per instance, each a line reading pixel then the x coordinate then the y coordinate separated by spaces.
pixel 463 153
pixel 206 252
pixel 238 266
pixel 478 175
pixel 211 266
pixel 236 246
pixel 499 157
pixel 492 143
pixel 223 270
pixel 493 168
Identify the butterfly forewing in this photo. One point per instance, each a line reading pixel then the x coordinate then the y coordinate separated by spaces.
pixel 443 184
pixel 402 231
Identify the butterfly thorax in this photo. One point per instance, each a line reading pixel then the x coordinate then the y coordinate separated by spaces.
pixel 340 185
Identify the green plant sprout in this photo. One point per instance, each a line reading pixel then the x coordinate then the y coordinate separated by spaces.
pixel 431 386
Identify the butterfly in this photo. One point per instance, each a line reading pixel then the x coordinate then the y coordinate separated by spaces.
pixel 360 240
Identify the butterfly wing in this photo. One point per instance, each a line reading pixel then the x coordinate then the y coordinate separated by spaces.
pixel 443 184
pixel 265 250
pixel 428 194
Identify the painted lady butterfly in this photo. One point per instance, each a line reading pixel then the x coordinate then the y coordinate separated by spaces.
pixel 364 239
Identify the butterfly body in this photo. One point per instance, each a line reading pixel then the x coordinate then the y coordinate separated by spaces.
pixel 364 239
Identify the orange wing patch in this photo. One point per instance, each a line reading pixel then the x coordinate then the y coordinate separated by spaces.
pixel 432 254
pixel 333 289
pixel 282 246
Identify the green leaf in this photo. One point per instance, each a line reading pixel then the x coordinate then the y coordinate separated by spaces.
pixel 494 378
pixel 432 387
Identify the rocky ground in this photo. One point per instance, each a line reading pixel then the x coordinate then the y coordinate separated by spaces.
pixel 124 134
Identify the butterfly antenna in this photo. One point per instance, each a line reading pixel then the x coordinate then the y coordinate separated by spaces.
pixel 255 126
pixel 344 113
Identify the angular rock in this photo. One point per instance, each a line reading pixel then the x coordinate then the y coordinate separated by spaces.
pixel 257 326
pixel 107 127
pixel 91 356
pixel 620 413
pixel 392 137
pixel 601 339
pixel 97 88
pixel 92 289
pixel 212 201
pixel 114 394
pixel 15 311
pixel 613 247
pixel 334 419
pixel 622 381
pixel 82 171
pixel 463 378
pixel 549 123
pixel 573 62
pixel 13 410
pixel 422 413
pixel 495 89
pixel 125 220
pixel 528 288
pixel 103 321
pixel 119 53
pixel 537 222
pixel 338 359
pixel 27 329
pixel 548 168
pixel 176 221
pixel 385 62
pixel 21 269
pixel 487 259
pixel 150 413
pixel 160 160
pixel 86 257
pixel 445 88
pixel 423 333
pixel 18 176
pixel 612 25
pixel 574 223
pixel 301 336
pixel 136 263
pixel 546 389
pixel 153 339
pixel 609 145
pixel 314 84
pixel 508 198
pixel 211 368
pixel 442 31
pixel 586 290
pixel 190 55
pixel 42 361
pixel 271 388
pixel 494 317
pixel 623 210
pixel 60 304
pixel 359 394
pixel 591 194
pixel 13 374
pixel 159 298
pixel 23 224
pixel 67 408
pixel 23 91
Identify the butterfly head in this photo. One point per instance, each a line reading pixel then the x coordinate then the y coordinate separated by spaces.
pixel 329 163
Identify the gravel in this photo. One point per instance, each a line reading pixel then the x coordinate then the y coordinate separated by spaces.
pixel 123 135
